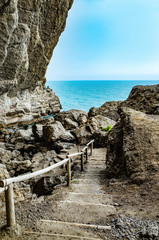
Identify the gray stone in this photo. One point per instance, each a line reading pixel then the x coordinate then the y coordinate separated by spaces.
pixel 25 52
pixel 108 109
pixel 45 185
pixel 133 148
pixel 55 132
pixel 72 118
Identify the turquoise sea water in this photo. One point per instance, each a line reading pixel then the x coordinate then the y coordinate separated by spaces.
pixel 86 94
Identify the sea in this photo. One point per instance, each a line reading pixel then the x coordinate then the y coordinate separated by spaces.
pixel 83 95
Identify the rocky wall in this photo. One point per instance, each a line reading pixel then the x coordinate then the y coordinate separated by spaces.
pixel 29 32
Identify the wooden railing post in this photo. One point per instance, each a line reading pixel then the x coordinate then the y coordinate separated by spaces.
pixel 87 155
pixel 82 161
pixel 91 148
pixel 69 173
pixel 9 201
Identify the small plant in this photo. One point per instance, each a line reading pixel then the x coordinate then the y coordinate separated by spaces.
pixel 107 129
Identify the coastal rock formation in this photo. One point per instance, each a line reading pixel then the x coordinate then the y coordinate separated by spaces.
pixel 72 118
pixel 133 148
pixel 93 129
pixel 141 98
pixel 29 32
pixel 108 109
pixel 144 99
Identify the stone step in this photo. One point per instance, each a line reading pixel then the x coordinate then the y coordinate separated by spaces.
pixel 69 228
pixel 89 198
pixel 70 211
pixel 86 188
pixel 49 236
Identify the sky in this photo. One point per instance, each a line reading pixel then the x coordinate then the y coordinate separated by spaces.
pixel 108 40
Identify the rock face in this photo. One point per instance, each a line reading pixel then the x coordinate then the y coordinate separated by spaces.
pixel 72 118
pixel 108 109
pixel 144 99
pixel 141 98
pixel 133 148
pixel 29 32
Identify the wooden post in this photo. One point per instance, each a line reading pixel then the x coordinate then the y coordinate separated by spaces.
pixel 82 161
pixel 87 155
pixel 69 173
pixel 9 201
pixel 91 148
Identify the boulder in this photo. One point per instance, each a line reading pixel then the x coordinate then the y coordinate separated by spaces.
pixel 55 132
pixel 100 138
pixel 83 134
pixel 98 122
pixel 108 109
pixel 133 148
pixel 5 155
pixel 62 145
pixel 46 184
pixel 144 99
pixel 38 131
pixel 72 118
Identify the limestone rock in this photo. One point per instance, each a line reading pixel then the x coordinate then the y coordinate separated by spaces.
pixel 144 99
pixel 72 118
pixel 29 32
pixel 83 134
pixel 108 109
pixel 38 131
pixel 98 122
pixel 55 132
pixel 133 148
pixel 46 184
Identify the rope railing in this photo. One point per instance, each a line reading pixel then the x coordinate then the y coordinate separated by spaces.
pixel 7 184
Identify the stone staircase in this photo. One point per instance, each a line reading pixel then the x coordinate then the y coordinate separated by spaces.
pixel 81 212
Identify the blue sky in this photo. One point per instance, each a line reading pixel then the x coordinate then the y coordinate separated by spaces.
pixel 108 40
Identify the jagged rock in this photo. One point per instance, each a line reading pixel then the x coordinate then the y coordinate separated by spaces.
pixel 98 122
pixel 141 98
pixel 72 118
pixel 82 134
pixel 56 132
pixel 144 99
pixel 133 148
pixel 25 52
pixel 5 155
pixel 108 109
pixel 17 155
pixel 63 145
pixel 100 138
pixel 37 159
pixel 38 131
pixel 50 155
pixel 16 167
pixel 46 184
pixel 93 130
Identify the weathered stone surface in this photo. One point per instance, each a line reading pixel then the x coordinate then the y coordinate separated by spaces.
pixel 55 132
pixel 144 99
pixel 83 134
pixel 141 98
pixel 108 109
pixel 45 185
pixel 133 148
pixel 72 118
pixel 29 32
pixel 93 130
pixel 98 122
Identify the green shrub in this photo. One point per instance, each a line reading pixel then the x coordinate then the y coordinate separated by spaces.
pixel 107 129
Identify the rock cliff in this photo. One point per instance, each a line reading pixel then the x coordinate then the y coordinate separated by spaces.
pixel 133 149
pixel 29 32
